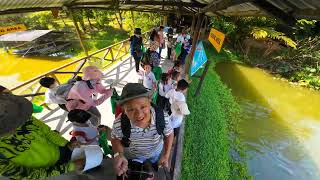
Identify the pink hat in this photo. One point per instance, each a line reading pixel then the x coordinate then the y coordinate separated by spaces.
pixel 91 73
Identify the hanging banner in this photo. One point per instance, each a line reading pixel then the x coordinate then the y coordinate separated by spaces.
pixel 13 28
pixel 199 58
pixel 216 38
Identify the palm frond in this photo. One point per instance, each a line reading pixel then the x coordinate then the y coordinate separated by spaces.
pixel 264 32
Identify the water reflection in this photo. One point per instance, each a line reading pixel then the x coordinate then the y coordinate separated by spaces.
pixel 16 69
pixel 281 124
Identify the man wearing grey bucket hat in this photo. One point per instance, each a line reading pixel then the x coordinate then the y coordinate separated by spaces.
pixel 28 147
pixel 141 133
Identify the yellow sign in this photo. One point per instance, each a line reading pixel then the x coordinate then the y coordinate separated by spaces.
pixel 14 28
pixel 216 38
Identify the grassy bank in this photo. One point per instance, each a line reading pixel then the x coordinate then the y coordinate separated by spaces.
pixel 210 130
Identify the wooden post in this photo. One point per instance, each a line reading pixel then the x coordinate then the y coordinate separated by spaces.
pixel 165 20
pixel 194 46
pixel 111 52
pixel 202 78
pixel 132 17
pixel 78 32
pixel 193 23
pixel 120 20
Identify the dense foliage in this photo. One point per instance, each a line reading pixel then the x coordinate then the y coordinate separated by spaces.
pixel 296 57
pixel 100 28
pixel 210 141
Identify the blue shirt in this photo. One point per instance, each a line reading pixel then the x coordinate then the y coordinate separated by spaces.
pixel 135 44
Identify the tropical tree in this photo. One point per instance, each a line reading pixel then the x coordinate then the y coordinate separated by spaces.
pixel 88 14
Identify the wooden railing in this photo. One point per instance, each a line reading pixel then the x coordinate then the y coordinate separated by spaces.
pixel 103 57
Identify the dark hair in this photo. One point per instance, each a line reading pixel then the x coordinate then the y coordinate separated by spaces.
pixel 137 31
pixel 164 78
pixel 175 75
pixel 146 57
pixel 182 85
pixel 146 64
pixel 78 78
pixel 47 81
pixel 161 27
pixel 79 116
pixel 153 35
pixel 176 64
pixel 102 126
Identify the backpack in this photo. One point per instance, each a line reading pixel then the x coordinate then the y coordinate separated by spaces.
pixel 126 126
pixel 64 89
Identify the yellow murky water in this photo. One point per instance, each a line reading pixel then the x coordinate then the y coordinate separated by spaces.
pixel 17 69
pixel 281 125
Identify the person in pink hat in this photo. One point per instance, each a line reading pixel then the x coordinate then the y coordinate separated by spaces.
pixel 80 95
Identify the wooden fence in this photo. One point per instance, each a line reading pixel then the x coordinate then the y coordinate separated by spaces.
pixel 103 58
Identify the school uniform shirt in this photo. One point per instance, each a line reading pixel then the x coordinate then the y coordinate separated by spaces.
pixel 90 132
pixel 51 98
pixel 163 89
pixel 148 80
pixel 174 84
pixel 180 39
pixel 174 97
pixel 144 142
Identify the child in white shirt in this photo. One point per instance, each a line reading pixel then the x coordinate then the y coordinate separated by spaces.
pixel 164 87
pixel 175 77
pixel 178 103
pixel 83 130
pixel 50 94
pixel 148 78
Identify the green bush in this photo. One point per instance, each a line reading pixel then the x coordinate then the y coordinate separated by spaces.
pixel 210 132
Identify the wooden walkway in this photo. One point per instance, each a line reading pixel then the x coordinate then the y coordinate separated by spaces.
pixel 118 75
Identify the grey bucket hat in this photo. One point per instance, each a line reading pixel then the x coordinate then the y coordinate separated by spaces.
pixel 133 90
pixel 14 112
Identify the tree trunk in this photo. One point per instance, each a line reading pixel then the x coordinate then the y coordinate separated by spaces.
pixel 82 25
pixel 119 20
pixel 132 16
pixel 90 25
pixel 65 25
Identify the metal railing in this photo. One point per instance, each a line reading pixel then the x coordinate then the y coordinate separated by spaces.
pixel 105 57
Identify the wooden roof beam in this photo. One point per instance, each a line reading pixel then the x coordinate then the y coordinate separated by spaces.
pixel 308 14
pixel 275 11
pixel 221 4
pixel 26 10
pixel 153 3
pixel 134 9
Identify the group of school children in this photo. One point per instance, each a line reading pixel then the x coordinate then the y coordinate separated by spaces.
pixel 142 133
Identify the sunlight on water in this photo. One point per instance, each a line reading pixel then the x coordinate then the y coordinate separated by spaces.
pixel 281 126
pixel 16 69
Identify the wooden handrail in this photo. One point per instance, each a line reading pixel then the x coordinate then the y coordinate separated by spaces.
pixel 47 73
pixel 55 70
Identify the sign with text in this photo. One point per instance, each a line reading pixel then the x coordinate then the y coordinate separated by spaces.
pixel 199 58
pixel 13 28
pixel 216 38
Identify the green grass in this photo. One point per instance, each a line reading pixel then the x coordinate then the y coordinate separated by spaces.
pixel 96 40
pixel 210 130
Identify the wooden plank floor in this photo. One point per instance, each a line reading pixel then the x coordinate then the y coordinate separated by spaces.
pixel 117 75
